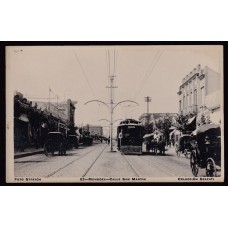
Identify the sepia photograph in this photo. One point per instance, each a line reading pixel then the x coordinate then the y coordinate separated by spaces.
pixel 114 114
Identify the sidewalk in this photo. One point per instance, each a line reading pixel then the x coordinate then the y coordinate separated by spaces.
pixel 28 152
pixel 32 151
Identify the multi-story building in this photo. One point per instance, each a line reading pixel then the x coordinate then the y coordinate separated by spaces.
pixel 64 110
pixel 33 121
pixel 199 93
pixel 94 130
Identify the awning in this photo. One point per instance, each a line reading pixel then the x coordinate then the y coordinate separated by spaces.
pixel 148 135
pixel 23 118
pixel 194 132
pixel 191 120
pixel 44 125
pixel 215 117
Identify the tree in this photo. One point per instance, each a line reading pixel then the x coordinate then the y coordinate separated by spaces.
pixel 163 125
pixel 181 122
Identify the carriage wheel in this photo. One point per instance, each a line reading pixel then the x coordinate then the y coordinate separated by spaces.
pixel 194 163
pixel 60 150
pixel 211 168
pixel 46 150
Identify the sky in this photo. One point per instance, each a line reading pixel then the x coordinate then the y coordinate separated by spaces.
pixel 80 73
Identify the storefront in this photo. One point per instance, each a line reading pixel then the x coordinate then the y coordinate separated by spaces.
pixel 21 132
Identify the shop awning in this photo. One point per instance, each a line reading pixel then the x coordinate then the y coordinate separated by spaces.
pixel 191 120
pixel 194 132
pixel 23 118
pixel 148 135
pixel 215 117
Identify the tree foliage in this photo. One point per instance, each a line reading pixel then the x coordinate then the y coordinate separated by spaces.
pixel 163 125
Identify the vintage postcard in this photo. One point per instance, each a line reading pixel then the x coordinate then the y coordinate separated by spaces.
pixel 114 114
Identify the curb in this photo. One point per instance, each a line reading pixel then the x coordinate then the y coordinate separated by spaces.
pixel 27 154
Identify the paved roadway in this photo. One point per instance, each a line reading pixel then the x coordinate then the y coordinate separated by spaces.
pixel 98 161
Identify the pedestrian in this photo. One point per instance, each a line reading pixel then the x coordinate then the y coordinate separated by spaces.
pixel 120 136
pixel 162 147
pixel 152 145
pixel 155 146
pixel 148 145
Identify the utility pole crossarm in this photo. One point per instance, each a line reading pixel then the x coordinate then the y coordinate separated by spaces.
pixel 123 102
pixel 97 101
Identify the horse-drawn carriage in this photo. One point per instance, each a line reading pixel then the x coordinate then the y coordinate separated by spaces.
pixel 206 150
pixel 183 145
pixel 56 141
pixel 155 143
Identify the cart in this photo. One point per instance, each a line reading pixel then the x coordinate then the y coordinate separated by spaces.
pixel 206 150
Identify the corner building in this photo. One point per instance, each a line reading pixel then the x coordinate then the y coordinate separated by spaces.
pixel 200 94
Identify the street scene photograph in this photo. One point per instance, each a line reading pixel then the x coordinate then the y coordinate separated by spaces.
pixel 114 114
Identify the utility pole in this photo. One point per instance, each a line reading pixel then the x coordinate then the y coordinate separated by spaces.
pixel 49 99
pixel 147 99
pixel 111 106
pixel 111 87
pixel 57 97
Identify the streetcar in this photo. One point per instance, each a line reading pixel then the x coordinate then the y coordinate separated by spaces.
pixel 129 134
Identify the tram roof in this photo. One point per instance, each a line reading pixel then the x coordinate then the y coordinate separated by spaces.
pixel 130 122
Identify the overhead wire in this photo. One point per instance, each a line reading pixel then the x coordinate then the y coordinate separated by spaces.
pixel 153 66
pixel 87 80
pixel 109 63
pixel 106 52
pixel 114 65
pixel 145 76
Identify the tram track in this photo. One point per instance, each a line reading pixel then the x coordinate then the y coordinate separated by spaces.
pixel 163 170
pixel 86 172
pixel 131 166
pixel 70 163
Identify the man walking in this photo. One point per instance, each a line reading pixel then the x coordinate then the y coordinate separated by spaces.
pixel 120 139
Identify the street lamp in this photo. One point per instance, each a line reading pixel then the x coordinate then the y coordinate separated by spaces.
pixel 111 109
pixel 147 99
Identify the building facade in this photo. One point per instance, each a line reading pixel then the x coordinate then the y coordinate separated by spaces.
pixel 64 110
pixel 33 121
pixel 93 130
pixel 199 94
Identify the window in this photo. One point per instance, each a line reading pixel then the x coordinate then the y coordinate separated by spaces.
pixel 202 96
pixel 195 97
pixel 187 101
pixel 184 102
